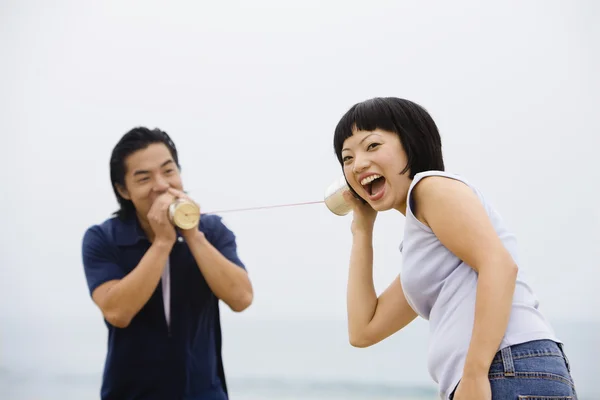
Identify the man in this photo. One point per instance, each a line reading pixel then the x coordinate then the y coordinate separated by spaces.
pixel 158 286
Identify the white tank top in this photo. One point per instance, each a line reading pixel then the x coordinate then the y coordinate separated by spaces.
pixel 441 289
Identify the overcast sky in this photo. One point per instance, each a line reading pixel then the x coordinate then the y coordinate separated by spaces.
pixel 251 92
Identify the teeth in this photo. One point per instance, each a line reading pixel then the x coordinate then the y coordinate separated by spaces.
pixel 369 179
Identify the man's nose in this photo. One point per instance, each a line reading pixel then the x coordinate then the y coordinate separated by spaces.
pixel 161 185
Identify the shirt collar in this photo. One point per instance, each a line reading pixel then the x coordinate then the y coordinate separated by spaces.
pixel 128 231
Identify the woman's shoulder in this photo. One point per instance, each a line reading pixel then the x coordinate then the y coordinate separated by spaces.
pixel 437 174
pixel 439 189
pixel 433 180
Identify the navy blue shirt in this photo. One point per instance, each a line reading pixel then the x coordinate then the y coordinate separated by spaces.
pixel 148 359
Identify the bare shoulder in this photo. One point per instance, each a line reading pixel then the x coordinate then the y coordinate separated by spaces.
pixel 459 219
pixel 435 191
pixel 436 184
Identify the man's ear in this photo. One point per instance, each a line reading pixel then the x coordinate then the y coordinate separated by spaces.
pixel 122 191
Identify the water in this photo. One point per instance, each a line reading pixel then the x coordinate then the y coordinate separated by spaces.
pixel 266 360
pixel 86 387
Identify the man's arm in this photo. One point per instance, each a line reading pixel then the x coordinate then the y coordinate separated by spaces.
pixel 121 300
pixel 227 280
pixel 120 297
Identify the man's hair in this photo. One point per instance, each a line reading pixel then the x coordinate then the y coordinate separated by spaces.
pixel 412 123
pixel 136 139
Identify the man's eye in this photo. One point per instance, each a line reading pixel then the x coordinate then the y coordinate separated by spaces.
pixel 143 179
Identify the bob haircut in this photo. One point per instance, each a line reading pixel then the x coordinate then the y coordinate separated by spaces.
pixel 418 132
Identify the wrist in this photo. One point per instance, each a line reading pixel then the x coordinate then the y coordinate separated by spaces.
pixel 163 244
pixel 475 370
pixel 362 234
pixel 194 236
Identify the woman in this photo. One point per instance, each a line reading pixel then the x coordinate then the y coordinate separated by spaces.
pixel 488 340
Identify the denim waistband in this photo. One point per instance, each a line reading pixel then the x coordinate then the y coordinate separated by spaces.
pixel 536 348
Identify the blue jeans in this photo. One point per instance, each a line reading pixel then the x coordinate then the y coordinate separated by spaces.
pixel 537 370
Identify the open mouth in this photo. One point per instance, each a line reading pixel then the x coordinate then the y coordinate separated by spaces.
pixel 373 184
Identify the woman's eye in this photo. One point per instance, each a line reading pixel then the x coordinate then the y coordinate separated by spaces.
pixel 347 158
pixel 372 146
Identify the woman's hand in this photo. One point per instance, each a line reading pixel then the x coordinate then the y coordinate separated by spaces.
pixel 363 214
pixel 474 388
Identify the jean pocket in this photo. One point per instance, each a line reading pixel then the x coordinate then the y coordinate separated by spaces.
pixel 546 397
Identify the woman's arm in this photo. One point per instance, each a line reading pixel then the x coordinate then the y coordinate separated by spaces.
pixel 371 319
pixel 457 217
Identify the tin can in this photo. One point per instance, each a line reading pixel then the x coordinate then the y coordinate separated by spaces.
pixel 334 197
pixel 184 214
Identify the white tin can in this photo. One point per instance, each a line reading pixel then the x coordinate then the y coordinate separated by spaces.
pixel 184 214
pixel 334 197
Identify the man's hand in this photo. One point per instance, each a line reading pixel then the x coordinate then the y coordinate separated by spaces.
pixel 178 194
pixel 474 388
pixel 158 218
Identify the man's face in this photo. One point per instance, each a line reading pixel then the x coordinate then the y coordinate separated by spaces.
pixel 149 173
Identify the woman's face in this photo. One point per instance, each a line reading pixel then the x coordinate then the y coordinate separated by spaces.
pixel 372 162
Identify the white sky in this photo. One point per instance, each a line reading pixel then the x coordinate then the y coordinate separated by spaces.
pixel 251 93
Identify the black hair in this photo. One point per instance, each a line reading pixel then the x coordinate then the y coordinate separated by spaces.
pixel 418 132
pixel 136 139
